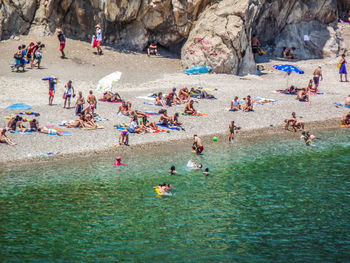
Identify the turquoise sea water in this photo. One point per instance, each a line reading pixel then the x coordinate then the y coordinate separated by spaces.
pixel 267 201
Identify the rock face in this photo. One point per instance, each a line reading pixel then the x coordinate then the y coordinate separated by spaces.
pixel 222 35
pixel 132 23
pixel 217 33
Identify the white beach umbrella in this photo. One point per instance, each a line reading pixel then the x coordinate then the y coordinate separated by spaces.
pixel 106 83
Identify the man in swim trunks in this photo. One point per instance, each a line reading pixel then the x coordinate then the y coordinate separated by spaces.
pixel 294 122
pixel 164 119
pixel 152 49
pixel 175 120
pixel 317 76
pixel 52 83
pixel 91 99
pixel 62 39
pixel 302 95
pixel 197 144
pixel 190 109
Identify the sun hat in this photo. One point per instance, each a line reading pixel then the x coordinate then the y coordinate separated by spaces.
pixel 98 26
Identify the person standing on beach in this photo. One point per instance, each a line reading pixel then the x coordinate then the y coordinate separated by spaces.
pixel 317 76
pixel 91 99
pixel 98 39
pixel 79 104
pixel 197 144
pixel 342 69
pixel 52 83
pixel 62 39
pixel 68 94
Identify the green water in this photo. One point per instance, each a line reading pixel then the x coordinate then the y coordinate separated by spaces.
pixel 270 201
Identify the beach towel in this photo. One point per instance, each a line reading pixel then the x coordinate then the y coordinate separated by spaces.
pixel 151 103
pixel 47 154
pixel 284 91
pixel 102 100
pixel 169 127
pixel 198 114
pixel 29 113
pixel 147 98
pixel 262 100
pixel 317 93
pixel 26 133
pixel 63 132
pixel 98 118
pixel 340 105
pixel 98 127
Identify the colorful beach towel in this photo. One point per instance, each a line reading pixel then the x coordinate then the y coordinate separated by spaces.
pixel 26 133
pixel 198 114
pixel 340 105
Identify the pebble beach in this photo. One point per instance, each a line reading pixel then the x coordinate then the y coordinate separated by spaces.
pixel 142 75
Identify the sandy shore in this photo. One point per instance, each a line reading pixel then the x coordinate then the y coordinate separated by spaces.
pixel 141 76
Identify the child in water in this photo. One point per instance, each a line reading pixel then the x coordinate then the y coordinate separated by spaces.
pixel 206 171
pixel 118 162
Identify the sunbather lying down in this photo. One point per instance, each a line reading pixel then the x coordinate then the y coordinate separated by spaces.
pixel 49 131
pixel 110 96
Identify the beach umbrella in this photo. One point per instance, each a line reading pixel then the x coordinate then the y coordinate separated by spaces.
pixel 289 69
pixel 106 83
pixel 19 106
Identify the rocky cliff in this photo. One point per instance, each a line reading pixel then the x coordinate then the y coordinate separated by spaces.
pixel 210 32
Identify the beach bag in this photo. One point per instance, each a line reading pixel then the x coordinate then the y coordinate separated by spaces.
pixel 94 42
pixel 339 65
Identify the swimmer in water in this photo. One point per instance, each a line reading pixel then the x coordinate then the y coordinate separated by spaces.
pixel 172 170
pixel 192 164
pixel 206 171
pixel 308 137
pixel 118 162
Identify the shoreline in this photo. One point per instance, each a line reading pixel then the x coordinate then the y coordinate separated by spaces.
pixel 162 147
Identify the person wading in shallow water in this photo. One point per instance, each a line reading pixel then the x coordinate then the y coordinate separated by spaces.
pixel 197 144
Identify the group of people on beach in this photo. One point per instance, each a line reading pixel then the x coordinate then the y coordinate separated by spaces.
pixel 28 54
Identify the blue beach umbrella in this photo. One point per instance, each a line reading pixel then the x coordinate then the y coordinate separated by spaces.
pixel 289 69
